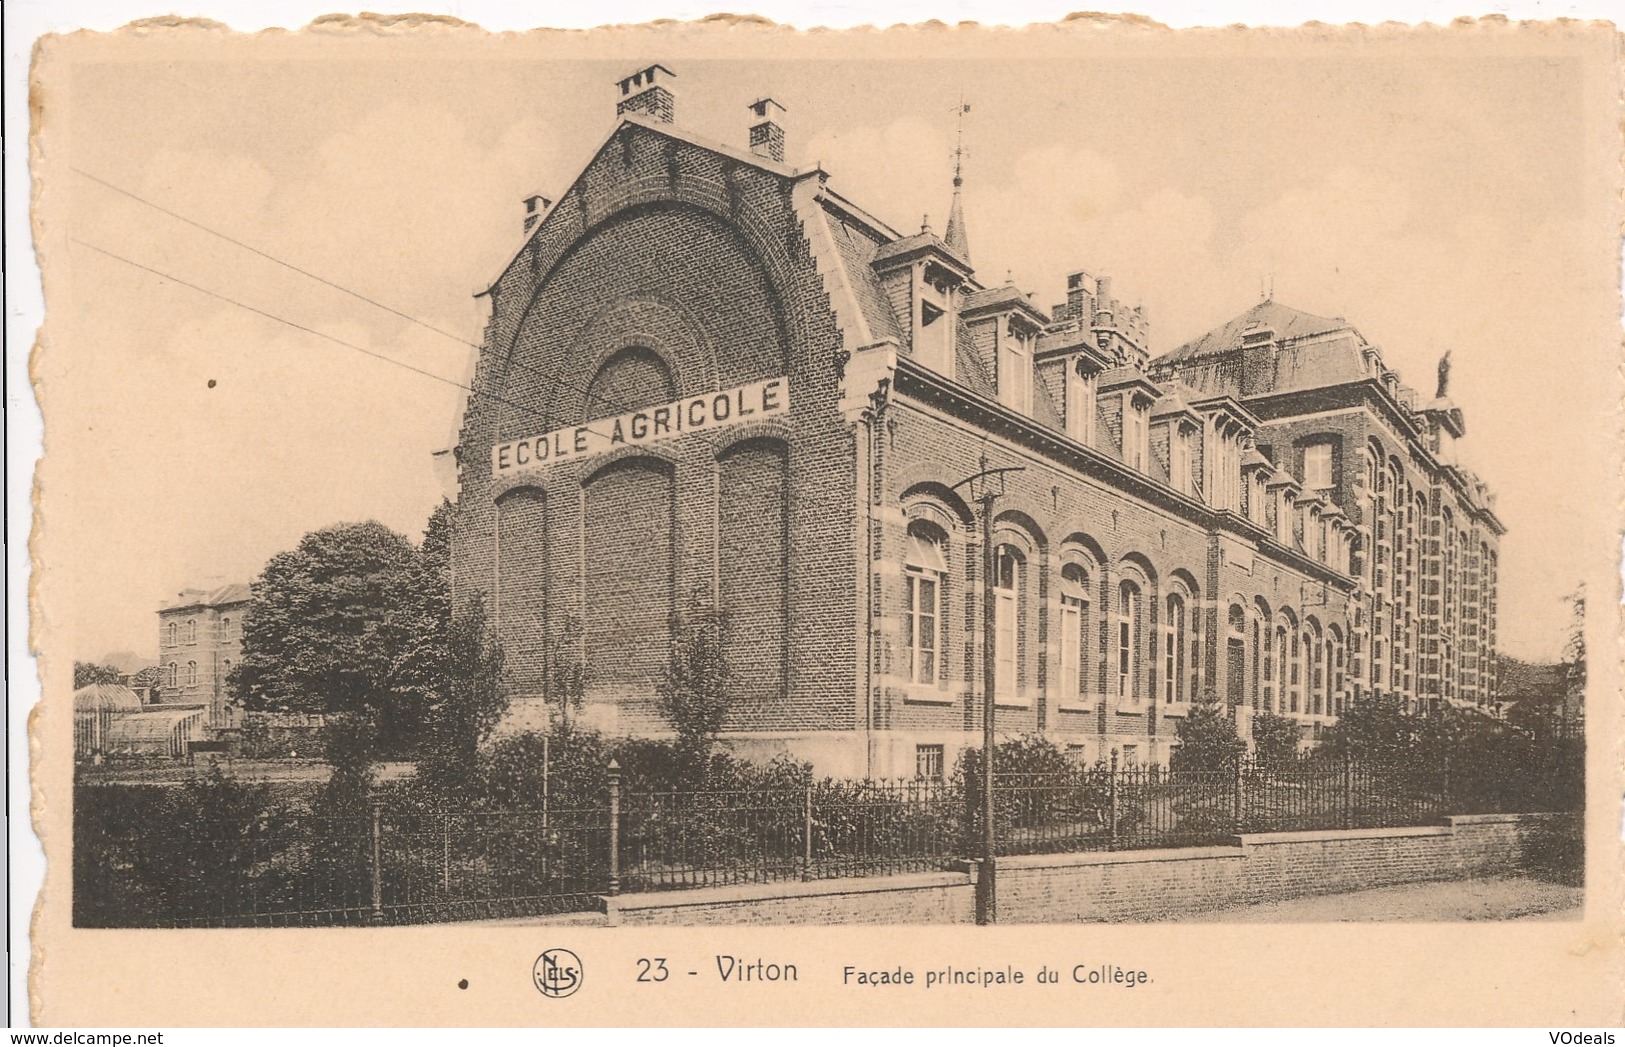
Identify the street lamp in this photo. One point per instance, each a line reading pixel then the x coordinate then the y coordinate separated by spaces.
pixel 986 488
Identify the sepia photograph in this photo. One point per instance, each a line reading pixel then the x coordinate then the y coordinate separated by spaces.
pixel 564 485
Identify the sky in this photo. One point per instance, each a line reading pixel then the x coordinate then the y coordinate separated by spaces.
pixel 1445 204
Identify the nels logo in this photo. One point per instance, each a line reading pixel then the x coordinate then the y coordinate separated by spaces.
pixel 557 973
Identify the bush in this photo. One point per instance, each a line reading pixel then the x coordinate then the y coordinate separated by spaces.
pixel 1207 738
pixel 1275 740
pixel 1554 849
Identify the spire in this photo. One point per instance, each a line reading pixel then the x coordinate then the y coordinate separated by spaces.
pixel 955 237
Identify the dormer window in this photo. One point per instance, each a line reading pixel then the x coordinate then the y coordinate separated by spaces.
pixel 1179 459
pixel 1134 434
pixel 1080 405
pixel 1317 466
pixel 1015 370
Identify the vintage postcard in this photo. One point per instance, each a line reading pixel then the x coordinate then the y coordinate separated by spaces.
pixel 719 524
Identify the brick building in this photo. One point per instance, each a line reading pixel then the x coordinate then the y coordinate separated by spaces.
pixel 709 375
pixel 200 637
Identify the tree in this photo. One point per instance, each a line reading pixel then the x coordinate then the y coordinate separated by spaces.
pixel 468 699
pixel 329 623
pixel 1207 738
pixel 1275 739
pixel 1574 662
pixel 694 692
pixel 87 673
pixel 1376 727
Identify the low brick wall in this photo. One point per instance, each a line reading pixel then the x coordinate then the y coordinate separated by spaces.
pixel 1117 885
pixel 946 897
pixel 1151 885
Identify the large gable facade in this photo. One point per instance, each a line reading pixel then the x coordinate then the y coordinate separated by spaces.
pixel 710 380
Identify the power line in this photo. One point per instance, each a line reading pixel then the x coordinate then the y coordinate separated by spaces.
pixel 556 378
pixel 311 330
pixel 272 258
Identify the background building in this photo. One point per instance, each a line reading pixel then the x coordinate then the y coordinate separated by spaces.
pixel 710 377
pixel 200 637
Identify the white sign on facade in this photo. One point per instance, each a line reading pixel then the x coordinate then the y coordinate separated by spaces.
pixel 691 414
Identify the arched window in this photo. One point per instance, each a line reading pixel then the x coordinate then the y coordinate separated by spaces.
pixel 191 630
pixel 1235 653
pixel 1007 568
pixel 172 677
pixel 174 634
pixel 1173 647
pixel 1312 670
pixel 191 674
pixel 1336 645
pixel 1271 644
pixel 1295 673
pixel 923 572
pixel 1074 630
pixel 1127 621
pixel 1257 674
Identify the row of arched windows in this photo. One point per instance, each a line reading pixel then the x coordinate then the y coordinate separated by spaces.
pixel 189 635
pixel 1272 660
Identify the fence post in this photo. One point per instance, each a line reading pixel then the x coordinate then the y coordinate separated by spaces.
pixel 1348 790
pixel 614 828
pixel 1236 807
pixel 1111 804
pixel 1444 782
pixel 377 862
pixel 806 833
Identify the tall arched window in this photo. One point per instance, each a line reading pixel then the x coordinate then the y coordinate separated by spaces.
pixel 1074 630
pixel 174 634
pixel 1127 623
pixel 1173 647
pixel 172 677
pixel 1295 673
pixel 1310 650
pixel 1235 654
pixel 1337 674
pixel 191 630
pixel 1270 647
pixel 1257 673
pixel 191 674
pixel 923 572
pixel 1007 568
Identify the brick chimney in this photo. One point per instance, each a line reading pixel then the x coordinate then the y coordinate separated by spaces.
pixel 645 93
pixel 535 210
pixel 766 134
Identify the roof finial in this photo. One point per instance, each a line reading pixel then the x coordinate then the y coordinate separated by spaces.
pixel 955 237
pixel 925 223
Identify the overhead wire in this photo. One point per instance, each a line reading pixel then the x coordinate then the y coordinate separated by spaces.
pixel 318 333
pixel 556 377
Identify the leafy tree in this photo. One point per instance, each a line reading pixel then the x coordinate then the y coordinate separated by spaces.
pixel 1275 739
pixel 1207 738
pixel 87 673
pixel 330 626
pixel 1376 727
pixel 467 698
pixel 694 691
pixel 420 630
pixel 1574 661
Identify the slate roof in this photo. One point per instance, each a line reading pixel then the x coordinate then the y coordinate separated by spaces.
pixel 224 596
pixel 1284 320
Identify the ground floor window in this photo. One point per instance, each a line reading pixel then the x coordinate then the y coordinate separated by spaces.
pixel 928 760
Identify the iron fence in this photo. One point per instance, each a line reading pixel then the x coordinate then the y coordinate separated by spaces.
pixel 392 862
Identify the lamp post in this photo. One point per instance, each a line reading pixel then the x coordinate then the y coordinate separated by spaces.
pixel 986 487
